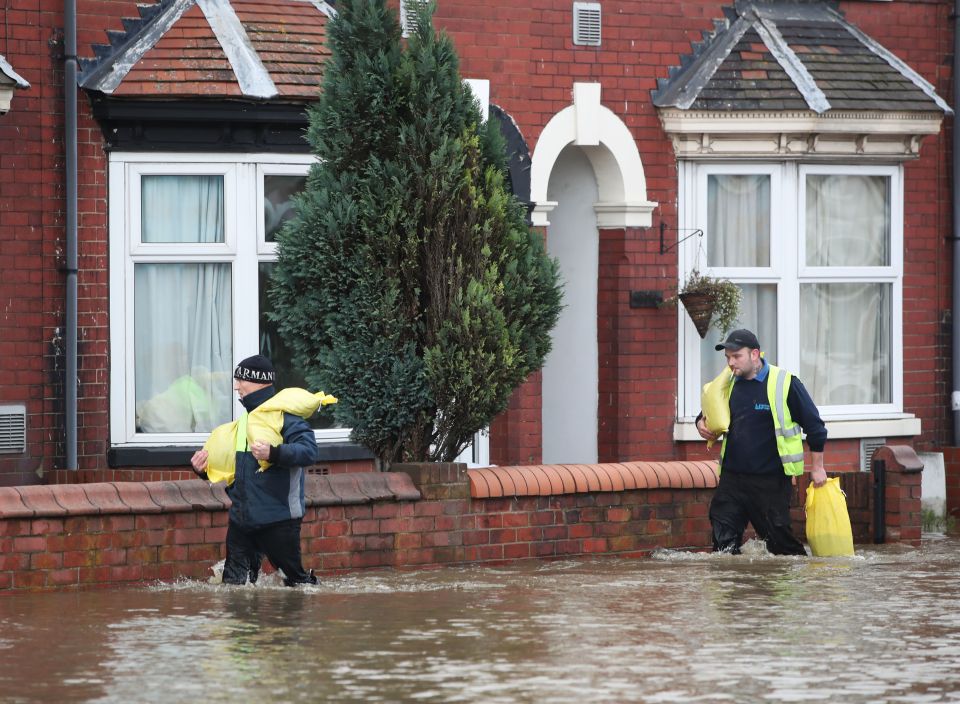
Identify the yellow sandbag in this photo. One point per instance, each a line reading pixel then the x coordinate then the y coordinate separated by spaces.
pixel 265 423
pixel 715 404
pixel 222 453
pixel 828 523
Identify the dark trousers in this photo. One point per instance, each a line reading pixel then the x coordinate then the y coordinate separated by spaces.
pixel 280 542
pixel 763 500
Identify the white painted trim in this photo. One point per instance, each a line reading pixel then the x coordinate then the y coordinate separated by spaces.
pixel 798 134
pixel 905 426
pixel 612 152
pixel 480 87
pixel 541 210
pixel 619 215
pixel 243 249
pixel 788 122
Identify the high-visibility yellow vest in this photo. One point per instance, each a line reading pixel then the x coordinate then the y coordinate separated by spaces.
pixel 789 433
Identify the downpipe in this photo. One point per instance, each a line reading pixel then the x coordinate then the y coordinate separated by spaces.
pixel 70 160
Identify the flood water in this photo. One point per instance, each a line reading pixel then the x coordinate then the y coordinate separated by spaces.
pixel 883 626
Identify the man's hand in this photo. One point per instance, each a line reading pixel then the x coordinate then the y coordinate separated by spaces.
pixel 818 475
pixel 702 429
pixel 260 450
pixel 199 462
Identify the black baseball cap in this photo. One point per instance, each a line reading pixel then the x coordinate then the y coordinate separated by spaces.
pixel 739 339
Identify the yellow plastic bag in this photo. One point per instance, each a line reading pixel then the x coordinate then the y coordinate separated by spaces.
pixel 265 423
pixel 715 404
pixel 828 523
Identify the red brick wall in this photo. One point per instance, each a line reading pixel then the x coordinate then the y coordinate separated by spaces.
pixel 527 54
pixel 32 244
pixel 177 529
pixel 97 535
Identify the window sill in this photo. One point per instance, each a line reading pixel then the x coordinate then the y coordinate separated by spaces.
pixel 904 426
pixel 176 456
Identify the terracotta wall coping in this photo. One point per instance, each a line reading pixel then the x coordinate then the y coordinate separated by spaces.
pixel 189 495
pixel 553 479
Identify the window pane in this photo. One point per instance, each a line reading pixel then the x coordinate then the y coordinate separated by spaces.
pixel 738 220
pixel 845 342
pixel 278 192
pixel 758 312
pixel 273 346
pixel 848 220
pixel 182 209
pixel 183 347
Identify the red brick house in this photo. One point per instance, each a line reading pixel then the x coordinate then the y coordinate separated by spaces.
pixel 799 148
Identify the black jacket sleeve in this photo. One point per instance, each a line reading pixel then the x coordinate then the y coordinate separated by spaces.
pixel 804 412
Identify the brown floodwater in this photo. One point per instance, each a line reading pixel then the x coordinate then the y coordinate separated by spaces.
pixel 883 626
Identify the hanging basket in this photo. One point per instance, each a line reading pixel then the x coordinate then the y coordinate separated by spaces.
pixel 700 309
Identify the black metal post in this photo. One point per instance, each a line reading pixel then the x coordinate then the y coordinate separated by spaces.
pixel 879 501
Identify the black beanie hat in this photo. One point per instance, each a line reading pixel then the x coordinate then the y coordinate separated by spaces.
pixel 257 369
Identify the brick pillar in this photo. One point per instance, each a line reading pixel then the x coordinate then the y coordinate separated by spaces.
pixel 902 517
pixel 437 481
pixel 516 435
pixel 610 301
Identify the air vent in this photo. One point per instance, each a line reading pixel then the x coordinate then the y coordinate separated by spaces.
pixel 867 448
pixel 586 23
pixel 409 10
pixel 13 430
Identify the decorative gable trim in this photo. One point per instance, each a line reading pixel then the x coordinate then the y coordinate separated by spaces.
pixel 798 135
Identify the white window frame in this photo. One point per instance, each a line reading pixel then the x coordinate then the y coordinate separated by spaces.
pixel 787 247
pixel 244 248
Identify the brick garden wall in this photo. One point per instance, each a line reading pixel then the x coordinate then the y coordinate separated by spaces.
pixel 128 533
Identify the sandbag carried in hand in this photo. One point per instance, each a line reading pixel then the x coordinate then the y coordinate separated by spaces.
pixel 828 523
pixel 715 403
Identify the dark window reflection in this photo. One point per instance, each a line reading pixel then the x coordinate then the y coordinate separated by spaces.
pixel 274 347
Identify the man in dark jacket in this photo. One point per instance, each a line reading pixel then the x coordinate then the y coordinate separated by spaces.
pixel 267 506
pixel 763 450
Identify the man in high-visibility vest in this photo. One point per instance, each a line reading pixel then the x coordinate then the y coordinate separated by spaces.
pixel 762 450
pixel 267 506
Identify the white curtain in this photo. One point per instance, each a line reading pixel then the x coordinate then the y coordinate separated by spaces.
pixel 845 334
pixel 845 342
pixel 738 220
pixel 848 221
pixel 738 234
pixel 182 311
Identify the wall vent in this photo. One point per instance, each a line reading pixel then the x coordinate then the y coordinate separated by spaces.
pixel 867 448
pixel 586 23
pixel 408 15
pixel 13 429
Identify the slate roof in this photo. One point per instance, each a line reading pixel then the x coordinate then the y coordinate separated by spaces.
pixel 241 49
pixel 11 76
pixel 775 55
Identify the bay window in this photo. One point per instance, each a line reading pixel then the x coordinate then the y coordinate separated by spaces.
pixel 816 250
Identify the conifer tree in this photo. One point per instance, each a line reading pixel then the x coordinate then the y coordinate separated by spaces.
pixel 409 285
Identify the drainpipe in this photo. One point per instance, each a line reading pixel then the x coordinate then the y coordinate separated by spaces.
pixel 70 147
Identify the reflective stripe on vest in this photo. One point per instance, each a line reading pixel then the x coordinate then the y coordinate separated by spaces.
pixel 789 434
pixel 241 445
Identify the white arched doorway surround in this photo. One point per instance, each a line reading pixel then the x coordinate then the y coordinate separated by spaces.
pixel 570 391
